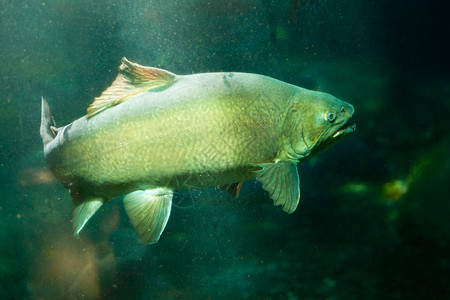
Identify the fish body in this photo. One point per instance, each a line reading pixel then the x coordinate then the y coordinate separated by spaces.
pixel 153 133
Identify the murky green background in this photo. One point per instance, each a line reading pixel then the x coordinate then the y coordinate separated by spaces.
pixel 373 222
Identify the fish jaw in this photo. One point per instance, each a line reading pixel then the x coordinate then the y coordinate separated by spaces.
pixel 347 127
pixel 344 130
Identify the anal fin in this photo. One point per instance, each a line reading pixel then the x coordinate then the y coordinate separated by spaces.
pixel 282 182
pixel 83 211
pixel 149 212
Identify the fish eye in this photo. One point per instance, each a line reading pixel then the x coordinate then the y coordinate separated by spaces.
pixel 330 116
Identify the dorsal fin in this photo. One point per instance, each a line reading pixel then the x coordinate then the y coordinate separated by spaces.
pixel 133 79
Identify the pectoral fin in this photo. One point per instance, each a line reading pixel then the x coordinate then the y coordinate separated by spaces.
pixel 282 182
pixel 149 212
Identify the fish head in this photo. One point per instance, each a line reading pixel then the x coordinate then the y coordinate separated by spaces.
pixel 314 122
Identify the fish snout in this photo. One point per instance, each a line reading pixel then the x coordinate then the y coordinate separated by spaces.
pixel 347 108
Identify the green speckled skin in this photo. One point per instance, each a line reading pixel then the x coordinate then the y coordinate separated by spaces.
pixel 201 130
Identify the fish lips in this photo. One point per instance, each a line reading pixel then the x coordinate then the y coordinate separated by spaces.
pixel 344 130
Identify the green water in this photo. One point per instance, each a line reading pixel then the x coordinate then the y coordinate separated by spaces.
pixel 372 222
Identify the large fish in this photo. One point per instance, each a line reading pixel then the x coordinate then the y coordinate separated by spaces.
pixel 153 133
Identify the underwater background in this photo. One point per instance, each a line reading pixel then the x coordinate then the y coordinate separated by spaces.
pixel 373 219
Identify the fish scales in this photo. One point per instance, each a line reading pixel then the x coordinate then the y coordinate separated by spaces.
pixel 182 130
pixel 153 133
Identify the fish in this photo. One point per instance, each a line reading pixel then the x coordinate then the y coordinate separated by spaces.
pixel 153 133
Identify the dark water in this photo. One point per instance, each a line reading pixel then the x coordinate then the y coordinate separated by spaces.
pixel 373 222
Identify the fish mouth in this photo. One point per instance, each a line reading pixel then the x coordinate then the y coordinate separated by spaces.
pixel 346 129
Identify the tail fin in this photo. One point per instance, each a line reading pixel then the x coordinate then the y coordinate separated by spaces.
pixel 47 122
